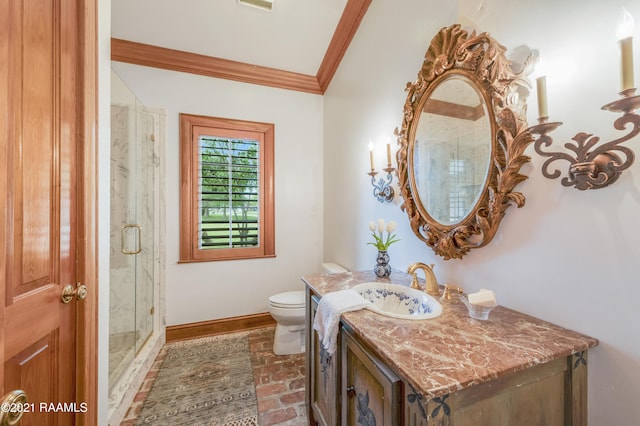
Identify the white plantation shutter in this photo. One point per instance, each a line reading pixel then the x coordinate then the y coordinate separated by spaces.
pixel 228 193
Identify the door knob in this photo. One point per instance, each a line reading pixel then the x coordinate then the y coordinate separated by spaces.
pixel 69 292
pixel 351 391
pixel 12 405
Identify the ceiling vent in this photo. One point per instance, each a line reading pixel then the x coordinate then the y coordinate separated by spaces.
pixel 260 4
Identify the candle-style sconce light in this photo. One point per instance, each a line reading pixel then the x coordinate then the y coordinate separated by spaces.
pixel 593 164
pixel 382 189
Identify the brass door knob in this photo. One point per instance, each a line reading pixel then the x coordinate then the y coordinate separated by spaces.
pixel 13 405
pixel 69 292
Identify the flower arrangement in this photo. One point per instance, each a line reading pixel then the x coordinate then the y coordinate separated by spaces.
pixel 382 243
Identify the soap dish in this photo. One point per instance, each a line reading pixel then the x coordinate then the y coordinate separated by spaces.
pixel 478 312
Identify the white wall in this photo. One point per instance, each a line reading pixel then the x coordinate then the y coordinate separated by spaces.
pixel 104 179
pixel 212 290
pixel 567 256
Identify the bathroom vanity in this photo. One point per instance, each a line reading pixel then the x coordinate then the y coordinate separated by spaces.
pixel 451 370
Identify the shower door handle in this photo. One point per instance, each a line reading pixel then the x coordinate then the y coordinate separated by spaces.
pixel 123 232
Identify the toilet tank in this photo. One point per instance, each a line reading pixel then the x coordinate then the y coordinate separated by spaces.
pixel 332 268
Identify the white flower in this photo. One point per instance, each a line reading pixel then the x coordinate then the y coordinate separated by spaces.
pixel 391 226
pixel 380 241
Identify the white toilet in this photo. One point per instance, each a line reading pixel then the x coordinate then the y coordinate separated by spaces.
pixel 288 309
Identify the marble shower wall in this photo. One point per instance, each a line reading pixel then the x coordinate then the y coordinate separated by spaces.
pixel 134 163
pixel 136 281
pixel 122 284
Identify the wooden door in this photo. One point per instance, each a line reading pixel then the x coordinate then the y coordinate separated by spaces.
pixel 41 147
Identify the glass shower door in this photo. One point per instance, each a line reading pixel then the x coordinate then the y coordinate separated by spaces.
pixel 145 218
pixel 132 265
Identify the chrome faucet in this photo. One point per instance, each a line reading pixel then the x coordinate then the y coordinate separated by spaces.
pixel 432 288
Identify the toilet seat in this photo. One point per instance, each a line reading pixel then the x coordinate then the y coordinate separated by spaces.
pixel 288 300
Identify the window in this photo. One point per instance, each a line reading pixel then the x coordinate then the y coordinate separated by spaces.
pixel 226 189
pixel 457 205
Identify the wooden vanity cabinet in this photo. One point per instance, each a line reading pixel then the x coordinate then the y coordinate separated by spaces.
pixel 354 387
pixel 371 392
pixel 549 394
pixel 323 398
pixel 377 389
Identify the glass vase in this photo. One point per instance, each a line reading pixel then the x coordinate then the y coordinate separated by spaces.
pixel 382 268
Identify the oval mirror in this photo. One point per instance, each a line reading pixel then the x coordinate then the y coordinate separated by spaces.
pixel 462 142
pixel 452 150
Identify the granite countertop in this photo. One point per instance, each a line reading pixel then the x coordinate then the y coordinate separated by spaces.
pixel 453 351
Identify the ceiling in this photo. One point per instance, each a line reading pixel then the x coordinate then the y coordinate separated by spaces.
pixel 294 36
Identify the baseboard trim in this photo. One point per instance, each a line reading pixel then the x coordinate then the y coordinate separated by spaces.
pixel 220 326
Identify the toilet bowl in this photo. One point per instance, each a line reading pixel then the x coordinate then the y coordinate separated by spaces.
pixel 288 309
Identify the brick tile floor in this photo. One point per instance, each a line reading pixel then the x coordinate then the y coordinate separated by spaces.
pixel 279 382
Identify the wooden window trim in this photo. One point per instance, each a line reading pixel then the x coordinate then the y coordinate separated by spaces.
pixel 190 127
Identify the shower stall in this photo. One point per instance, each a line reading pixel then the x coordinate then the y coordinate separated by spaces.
pixel 136 241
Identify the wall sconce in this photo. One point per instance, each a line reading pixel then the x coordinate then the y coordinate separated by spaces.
pixel 594 165
pixel 382 189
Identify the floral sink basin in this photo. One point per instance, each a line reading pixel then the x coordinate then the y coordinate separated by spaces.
pixel 398 301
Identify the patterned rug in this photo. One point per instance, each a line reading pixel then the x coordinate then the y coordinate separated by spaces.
pixel 206 381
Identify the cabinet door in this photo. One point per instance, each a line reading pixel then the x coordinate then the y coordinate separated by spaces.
pixel 323 386
pixel 539 395
pixel 371 392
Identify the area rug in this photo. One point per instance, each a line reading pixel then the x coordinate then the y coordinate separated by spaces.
pixel 207 381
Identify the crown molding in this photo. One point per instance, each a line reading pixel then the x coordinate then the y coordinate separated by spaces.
pixel 349 22
pixel 177 60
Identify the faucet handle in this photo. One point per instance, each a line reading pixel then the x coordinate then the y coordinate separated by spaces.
pixel 449 289
pixel 414 282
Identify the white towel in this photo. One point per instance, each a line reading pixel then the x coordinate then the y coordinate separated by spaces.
pixel 330 308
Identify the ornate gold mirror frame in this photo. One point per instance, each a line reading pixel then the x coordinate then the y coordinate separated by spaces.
pixel 482 59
